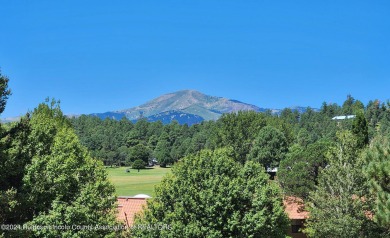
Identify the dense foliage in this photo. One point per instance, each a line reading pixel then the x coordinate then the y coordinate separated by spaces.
pixel 298 172
pixel 4 91
pixel 222 199
pixel 48 181
pixel 339 204
pixel 378 172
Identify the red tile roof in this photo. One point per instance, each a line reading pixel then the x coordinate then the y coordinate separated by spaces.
pixel 294 208
pixel 128 207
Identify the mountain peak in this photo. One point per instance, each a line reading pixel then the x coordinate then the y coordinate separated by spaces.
pixel 188 101
pixel 187 91
pixel 186 106
pixel 185 94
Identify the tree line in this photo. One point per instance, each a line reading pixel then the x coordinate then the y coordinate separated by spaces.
pixel 264 137
pixel 52 172
pixel 340 168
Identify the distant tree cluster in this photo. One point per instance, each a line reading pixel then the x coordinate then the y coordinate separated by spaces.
pixel 262 137
pixel 123 142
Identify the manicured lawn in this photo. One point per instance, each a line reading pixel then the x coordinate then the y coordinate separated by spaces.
pixel 133 183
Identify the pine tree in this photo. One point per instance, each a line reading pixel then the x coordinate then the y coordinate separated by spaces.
pixel 337 208
pixel 360 129
pixel 163 150
pixel 378 173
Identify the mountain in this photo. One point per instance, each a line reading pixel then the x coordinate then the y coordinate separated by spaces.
pixel 111 115
pixel 10 119
pixel 179 116
pixel 186 106
pixel 189 101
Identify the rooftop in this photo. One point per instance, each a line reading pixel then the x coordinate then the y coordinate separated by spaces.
pixel 128 207
pixel 294 208
pixel 343 117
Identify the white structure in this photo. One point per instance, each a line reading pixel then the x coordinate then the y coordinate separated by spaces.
pixel 142 196
pixel 343 117
pixel 272 170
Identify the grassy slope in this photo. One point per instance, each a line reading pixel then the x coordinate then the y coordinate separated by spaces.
pixel 133 183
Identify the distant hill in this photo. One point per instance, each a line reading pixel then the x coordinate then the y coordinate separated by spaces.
pixel 9 119
pixel 186 106
pixel 189 101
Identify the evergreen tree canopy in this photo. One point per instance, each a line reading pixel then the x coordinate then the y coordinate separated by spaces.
pixel 269 147
pixel 360 129
pixel 298 172
pixel 339 204
pixel 238 130
pixel 4 91
pixel 378 173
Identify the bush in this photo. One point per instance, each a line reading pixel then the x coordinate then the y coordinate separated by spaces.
pixel 211 195
pixel 138 164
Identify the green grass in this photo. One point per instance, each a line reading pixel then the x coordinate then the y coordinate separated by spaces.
pixel 133 183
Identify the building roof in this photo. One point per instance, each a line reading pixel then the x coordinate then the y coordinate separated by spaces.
pixel 128 207
pixel 294 208
pixel 269 170
pixel 142 196
pixel 343 117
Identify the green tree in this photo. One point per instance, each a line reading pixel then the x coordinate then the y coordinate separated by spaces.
pixel 163 150
pixel 374 114
pixel 289 115
pixel 298 172
pixel 140 152
pixel 337 207
pixel 5 92
pixel 269 147
pixel 383 126
pixel 198 142
pixel 352 106
pixel 138 164
pixel 303 137
pixel 377 157
pixel 179 149
pixel 360 129
pixel 53 181
pixel 238 130
pixel 15 155
pixel 348 105
pixel 211 195
pixel 65 185
pixel 358 106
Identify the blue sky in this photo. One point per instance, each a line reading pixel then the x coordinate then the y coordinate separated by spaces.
pixel 97 56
